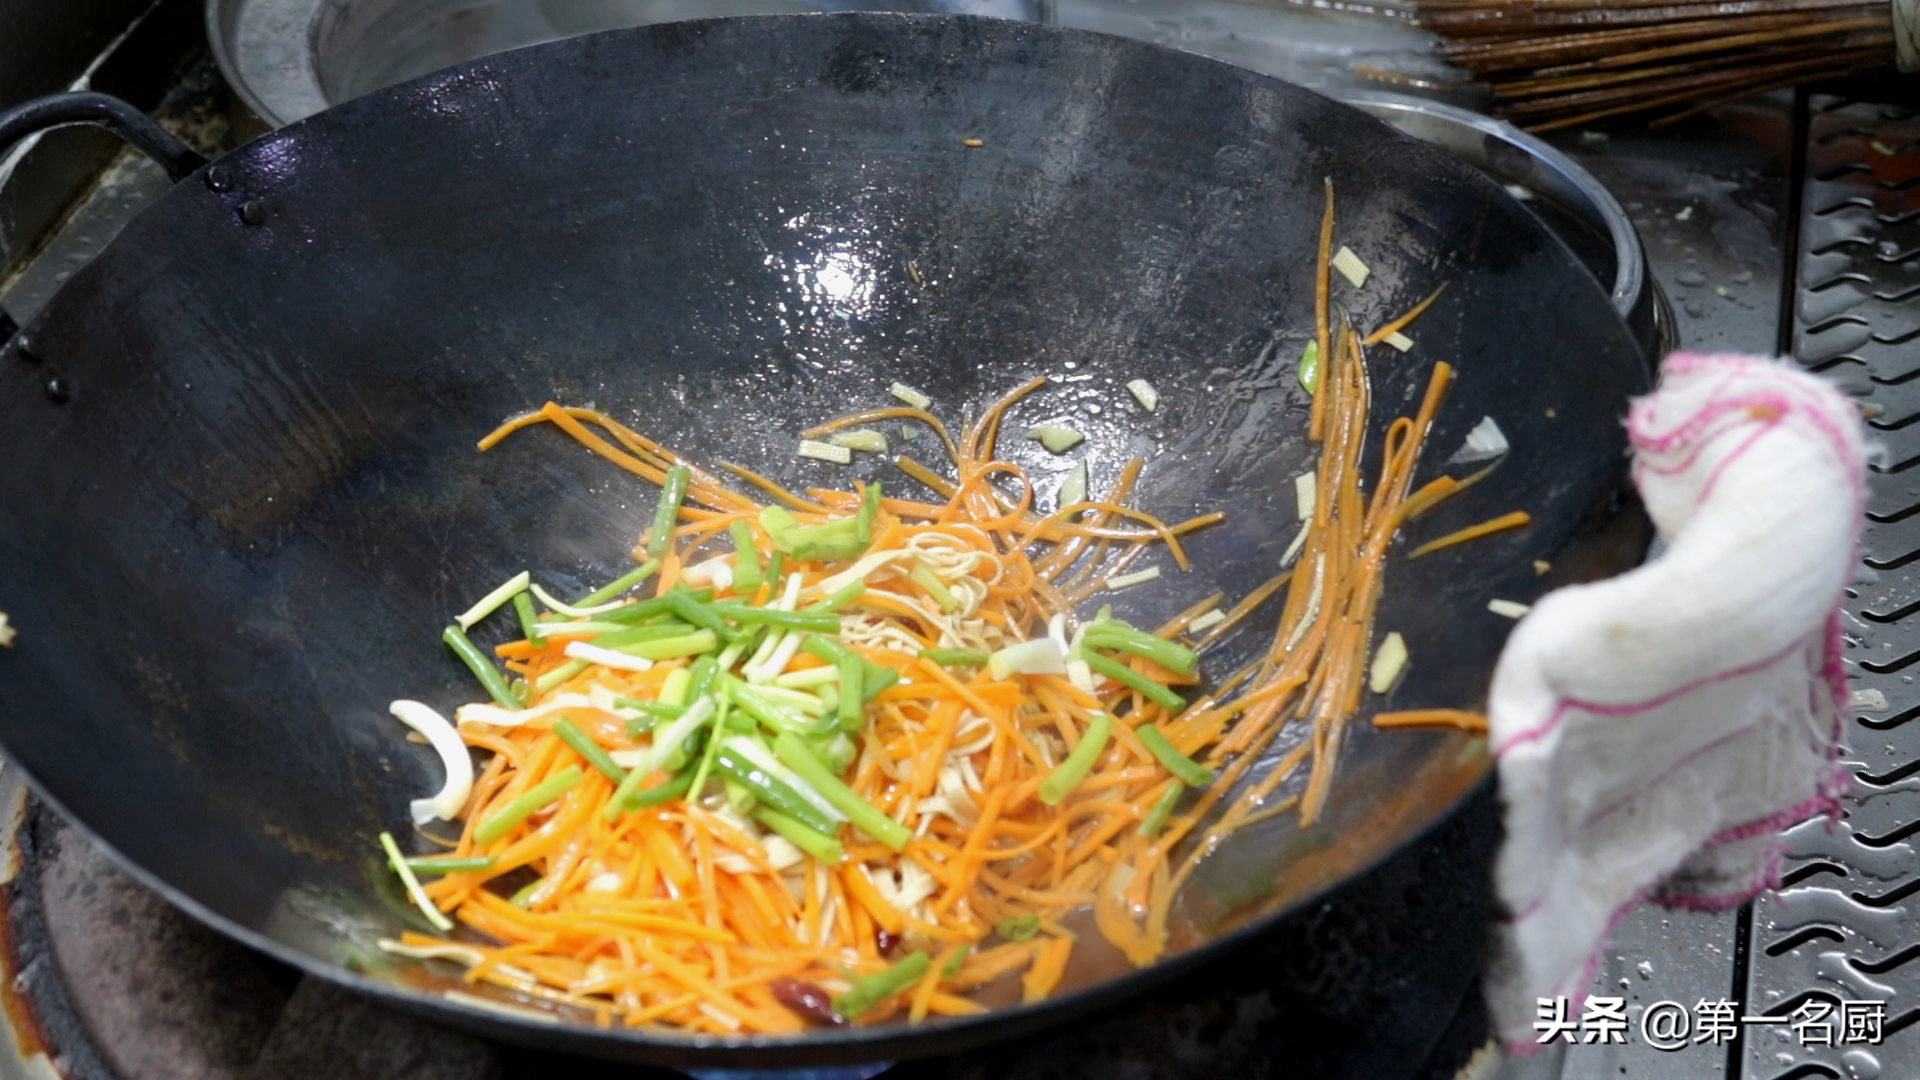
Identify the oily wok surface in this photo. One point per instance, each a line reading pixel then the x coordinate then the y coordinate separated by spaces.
pixel 239 537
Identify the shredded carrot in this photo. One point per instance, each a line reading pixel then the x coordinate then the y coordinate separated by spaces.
pixel 1473 722
pixel 1515 520
pixel 684 912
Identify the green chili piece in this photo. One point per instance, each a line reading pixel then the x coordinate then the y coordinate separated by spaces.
pixel 871 990
pixel 1121 673
pixel 746 558
pixel 1156 818
pixel 1019 929
pixel 773 792
pixel 852 711
pixel 1190 772
pixel 951 969
pixel 523 807
pixel 482 668
pixel 794 752
pixel 840 598
pixel 1310 368
pixel 451 864
pixel 956 657
pixel 824 622
pixel 620 584
pixel 803 836
pixel 1114 634
pixel 672 493
pixel 837 539
pixel 673 689
pixel 583 744
pixel 1069 773
pixel 869 512
pixel 529 619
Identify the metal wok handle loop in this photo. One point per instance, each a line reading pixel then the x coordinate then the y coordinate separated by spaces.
pixel 100 110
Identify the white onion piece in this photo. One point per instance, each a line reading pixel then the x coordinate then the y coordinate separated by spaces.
pixel 479 712
pixel 1485 441
pixel 453 753
pixel 1388 663
pixel 1041 656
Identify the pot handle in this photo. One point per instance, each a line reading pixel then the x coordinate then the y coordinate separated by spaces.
pixel 101 110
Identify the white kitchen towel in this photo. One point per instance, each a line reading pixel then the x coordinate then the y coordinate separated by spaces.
pixel 1656 731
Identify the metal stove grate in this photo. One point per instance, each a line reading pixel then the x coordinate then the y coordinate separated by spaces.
pixel 1842 927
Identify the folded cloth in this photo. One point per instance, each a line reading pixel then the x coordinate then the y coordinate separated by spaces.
pixel 1657 730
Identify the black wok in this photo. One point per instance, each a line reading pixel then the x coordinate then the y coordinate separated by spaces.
pixel 241 495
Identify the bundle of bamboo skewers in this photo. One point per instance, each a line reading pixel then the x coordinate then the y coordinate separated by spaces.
pixel 1556 63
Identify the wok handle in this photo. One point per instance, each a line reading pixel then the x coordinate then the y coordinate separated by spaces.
pixel 101 110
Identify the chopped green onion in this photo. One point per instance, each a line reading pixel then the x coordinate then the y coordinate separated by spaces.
pixel 523 896
pixel 869 509
pixel 841 598
pixel 673 689
pixel 575 610
pixel 871 990
pixel 491 602
pixel 694 644
pixel 853 671
pixel 667 515
pixel 668 739
pixel 618 586
pixel 628 635
pixel 451 864
pixel 1156 818
pixel 744 761
pixel 523 807
pixel 776 567
pixel 942 596
pixel 651 607
pixel 414 892
pixel 951 969
pixel 803 836
pixel 824 622
pixel 575 628
pixel 1121 673
pixel 877 678
pixel 699 614
pixel 806 677
pixel 831 540
pixel 559 675
pixel 746 558
pixel 638 797
pixel 867 439
pixel 956 657
pixel 1190 772
pixel 529 619
pixel 1019 929
pixel 1069 773
pixel 1114 634
pixel 702 673
pixel 721 715
pixel 797 755
pixel 775 714
pixel 583 744
pixel 482 668
pixel 1310 367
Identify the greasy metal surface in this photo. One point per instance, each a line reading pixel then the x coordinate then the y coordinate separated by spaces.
pixel 261 499
pixel 1843 928
pixel 1711 201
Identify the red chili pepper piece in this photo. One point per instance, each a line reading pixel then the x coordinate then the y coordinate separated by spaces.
pixel 807 1001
